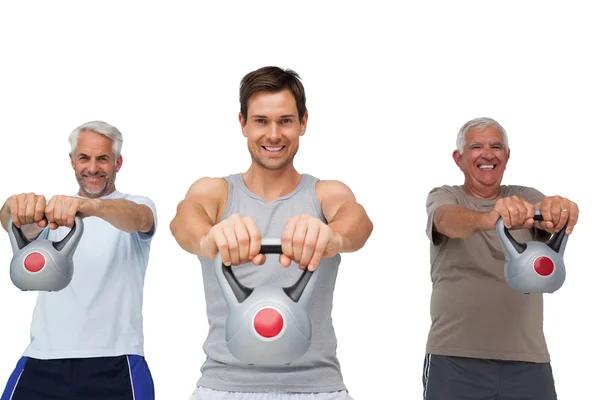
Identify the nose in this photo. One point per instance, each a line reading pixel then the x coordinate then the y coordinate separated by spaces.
pixel 92 166
pixel 488 154
pixel 274 132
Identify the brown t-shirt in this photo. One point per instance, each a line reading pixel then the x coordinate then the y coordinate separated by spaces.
pixel 474 313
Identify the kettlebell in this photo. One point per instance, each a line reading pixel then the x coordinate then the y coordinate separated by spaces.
pixel 267 325
pixel 43 265
pixel 533 267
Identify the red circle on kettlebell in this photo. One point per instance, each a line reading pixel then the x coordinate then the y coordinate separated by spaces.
pixel 268 322
pixel 34 262
pixel 543 266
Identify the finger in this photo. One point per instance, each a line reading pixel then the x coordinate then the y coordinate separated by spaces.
pixel 310 242
pixel 14 210
pixel 40 206
pixel 573 218
pixel 287 235
pixel 220 241
pixel 320 247
pixel 285 260
pixel 298 239
pixel 229 233
pixel 555 211
pixel 505 215
pixel 255 237
pixel 73 208
pixel 565 207
pixel 529 213
pixel 30 208
pixel 49 211
pixel 545 209
pixel 259 259
pixel 65 210
pixel 243 241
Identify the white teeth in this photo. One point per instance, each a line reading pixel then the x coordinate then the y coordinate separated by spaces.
pixel 274 148
pixel 487 166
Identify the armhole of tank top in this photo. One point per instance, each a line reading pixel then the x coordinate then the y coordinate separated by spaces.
pixel 315 200
pixel 228 202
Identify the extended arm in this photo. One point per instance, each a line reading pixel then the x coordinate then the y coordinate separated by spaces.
pixel 458 222
pixel 121 213
pixel 346 217
pixel 198 212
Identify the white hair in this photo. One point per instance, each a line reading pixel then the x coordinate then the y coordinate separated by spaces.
pixel 101 128
pixel 482 122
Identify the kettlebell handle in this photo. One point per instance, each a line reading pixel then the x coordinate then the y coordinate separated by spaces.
pixel 268 246
pixel 555 242
pixel 19 240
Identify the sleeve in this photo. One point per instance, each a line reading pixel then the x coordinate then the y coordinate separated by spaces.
pixel 147 236
pixel 437 197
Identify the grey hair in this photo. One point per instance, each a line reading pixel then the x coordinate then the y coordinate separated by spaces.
pixel 482 122
pixel 101 128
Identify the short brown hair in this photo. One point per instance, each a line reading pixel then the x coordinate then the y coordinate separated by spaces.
pixel 272 79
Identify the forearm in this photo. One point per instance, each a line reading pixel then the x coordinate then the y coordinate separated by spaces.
pixel 122 214
pixel 190 226
pixel 353 226
pixel 459 222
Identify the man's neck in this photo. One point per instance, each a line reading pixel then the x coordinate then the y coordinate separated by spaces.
pixel 271 184
pixel 482 192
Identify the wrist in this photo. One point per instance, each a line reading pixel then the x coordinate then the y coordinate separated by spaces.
pixel 91 207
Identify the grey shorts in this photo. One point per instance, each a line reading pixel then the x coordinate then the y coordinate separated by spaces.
pixel 459 378
pixel 208 394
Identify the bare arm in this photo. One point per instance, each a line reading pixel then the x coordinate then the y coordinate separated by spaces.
pixel 198 212
pixel 121 213
pixel 458 222
pixel 345 216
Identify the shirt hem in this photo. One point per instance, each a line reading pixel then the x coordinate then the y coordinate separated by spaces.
pixel 213 384
pixel 490 355
pixel 60 354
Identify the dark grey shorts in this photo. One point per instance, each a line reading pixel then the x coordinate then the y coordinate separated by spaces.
pixel 459 378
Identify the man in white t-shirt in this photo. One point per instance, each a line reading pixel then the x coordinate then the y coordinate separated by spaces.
pixel 87 340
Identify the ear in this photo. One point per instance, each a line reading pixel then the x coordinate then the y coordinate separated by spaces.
pixel 507 154
pixel 457 158
pixel 303 124
pixel 72 161
pixel 119 163
pixel 242 124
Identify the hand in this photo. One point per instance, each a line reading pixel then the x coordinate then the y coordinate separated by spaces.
pixel 28 208
pixel 236 238
pixel 516 212
pixel 61 210
pixel 305 240
pixel 558 212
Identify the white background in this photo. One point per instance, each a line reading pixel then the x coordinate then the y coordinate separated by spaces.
pixel 387 89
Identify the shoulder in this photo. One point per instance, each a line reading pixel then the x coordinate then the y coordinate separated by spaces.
pixel 211 186
pixel 452 191
pixel 327 189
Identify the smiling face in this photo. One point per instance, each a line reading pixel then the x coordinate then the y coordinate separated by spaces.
pixel 273 129
pixel 95 164
pixel 483 161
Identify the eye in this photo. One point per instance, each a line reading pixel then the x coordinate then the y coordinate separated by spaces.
pixel 259 120
pixel 286 121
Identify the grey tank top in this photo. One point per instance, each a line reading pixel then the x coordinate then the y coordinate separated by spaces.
pixel 318 370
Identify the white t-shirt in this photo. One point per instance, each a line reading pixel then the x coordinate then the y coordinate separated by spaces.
pixel 100 313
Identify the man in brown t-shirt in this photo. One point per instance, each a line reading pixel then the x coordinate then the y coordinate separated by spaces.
pixel 486 341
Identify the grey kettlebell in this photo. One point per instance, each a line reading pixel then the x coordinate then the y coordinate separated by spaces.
pixel 267 325
pixel 43 265
pixel 533 267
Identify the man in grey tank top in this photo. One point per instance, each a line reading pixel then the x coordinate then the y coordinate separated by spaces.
pixel 486 341
pixel 316 220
